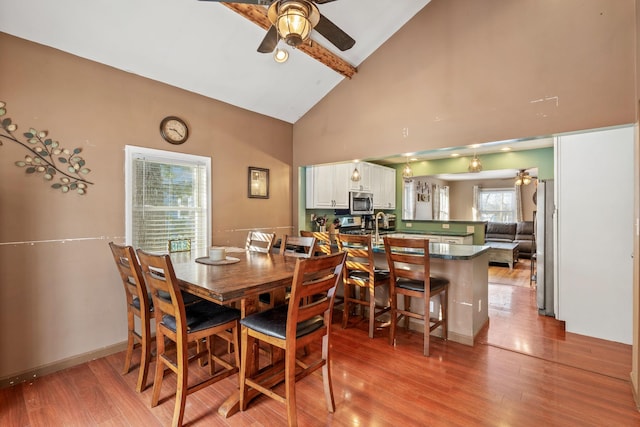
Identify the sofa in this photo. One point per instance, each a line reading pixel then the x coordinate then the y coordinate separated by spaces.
pixel 521 233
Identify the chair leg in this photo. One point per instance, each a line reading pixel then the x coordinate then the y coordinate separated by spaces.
pixel 393 302
pixel 326 375
pixel 346 306
pixel 181 385
pixel 444 307
pixel 247 350
pixel 157 381
pixel 407 307
pixel 130 342
pixel 145 358
pixel 372 310
pixel 427 325
pixel 290 387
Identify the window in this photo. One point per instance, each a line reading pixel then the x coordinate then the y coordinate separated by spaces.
pixel 167 197
pixel 497 204
pixel 441 202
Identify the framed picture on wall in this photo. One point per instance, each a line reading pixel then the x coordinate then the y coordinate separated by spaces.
pixel 258 183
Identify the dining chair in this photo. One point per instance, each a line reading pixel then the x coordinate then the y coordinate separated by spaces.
pixel 140 305
pixel 305 320
pixel 360 273
pixel 182 325
pixel 323 242
pixel 297 246
pixel 259 241
pixel 410 269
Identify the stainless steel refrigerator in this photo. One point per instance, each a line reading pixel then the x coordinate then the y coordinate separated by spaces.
pixel 545 218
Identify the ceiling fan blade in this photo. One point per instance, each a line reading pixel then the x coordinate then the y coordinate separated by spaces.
pixel 270 41
pixel 322 1
pixel 335 35
pixel 260 2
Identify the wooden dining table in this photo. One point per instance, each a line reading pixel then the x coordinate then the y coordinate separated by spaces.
pixel 239 283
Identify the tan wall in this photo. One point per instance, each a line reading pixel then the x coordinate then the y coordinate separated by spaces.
pixel 60 295
pixel 467 71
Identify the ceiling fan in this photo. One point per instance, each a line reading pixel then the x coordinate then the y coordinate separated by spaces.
pixel 293 20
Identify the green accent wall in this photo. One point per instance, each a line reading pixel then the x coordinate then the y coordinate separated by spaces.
pixel 541 158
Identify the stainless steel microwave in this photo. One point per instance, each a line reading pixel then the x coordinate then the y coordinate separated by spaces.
pixel 360 203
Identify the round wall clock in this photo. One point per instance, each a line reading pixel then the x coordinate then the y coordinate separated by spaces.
pixel 174 130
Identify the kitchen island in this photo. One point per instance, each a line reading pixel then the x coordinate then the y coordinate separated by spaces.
pixel 467 268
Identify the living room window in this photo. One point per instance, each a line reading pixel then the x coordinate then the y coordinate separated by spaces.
pixel 496 204
pixel 167 198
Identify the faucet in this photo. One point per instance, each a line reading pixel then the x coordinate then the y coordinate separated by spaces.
pixel 377 235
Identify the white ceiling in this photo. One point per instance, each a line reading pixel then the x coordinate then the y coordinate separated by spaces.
pixel 204 47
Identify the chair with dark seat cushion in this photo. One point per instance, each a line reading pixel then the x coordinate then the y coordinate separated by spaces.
pixel 360 273
pixel 298 246
pixel 182 325
pixel 323 242
pixel 305 320
pixel 140 305
pixel 409 266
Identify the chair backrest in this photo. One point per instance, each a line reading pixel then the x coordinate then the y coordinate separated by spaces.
pixel 301 247
pixel 258 241
pixel 313 291
pixel 162 283
pixel 131 275
pixel 359 253
pixel 402 253
pixel 323 242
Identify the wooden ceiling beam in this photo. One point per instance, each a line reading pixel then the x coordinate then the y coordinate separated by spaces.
pixel 258 15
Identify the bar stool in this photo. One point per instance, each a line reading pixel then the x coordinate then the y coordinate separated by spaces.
pixel 139 305
pixel 409 266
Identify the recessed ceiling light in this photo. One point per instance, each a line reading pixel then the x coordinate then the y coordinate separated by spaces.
pixel 505 149
pixel 455 155
pixel 413 159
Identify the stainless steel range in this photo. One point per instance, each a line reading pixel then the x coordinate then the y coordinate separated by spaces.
pixel 352 225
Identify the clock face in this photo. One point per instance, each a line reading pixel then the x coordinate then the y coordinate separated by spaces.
pixel 174 130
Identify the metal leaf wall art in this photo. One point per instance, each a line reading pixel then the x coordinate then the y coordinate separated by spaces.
pixel 65 168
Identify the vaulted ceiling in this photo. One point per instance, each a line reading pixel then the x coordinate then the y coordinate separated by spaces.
pixel 207 48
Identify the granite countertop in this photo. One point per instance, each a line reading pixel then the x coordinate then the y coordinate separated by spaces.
pixel 436 233
pixel 448 251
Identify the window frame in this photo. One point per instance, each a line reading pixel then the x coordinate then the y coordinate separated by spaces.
pixel 132 152
pixel 497 190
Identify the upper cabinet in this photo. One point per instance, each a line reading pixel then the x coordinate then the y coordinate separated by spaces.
pixel 328 186
pixel 384 187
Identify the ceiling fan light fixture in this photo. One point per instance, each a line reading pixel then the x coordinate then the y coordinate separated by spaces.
pixel 294 19
pixel 280 55
pixel 523 178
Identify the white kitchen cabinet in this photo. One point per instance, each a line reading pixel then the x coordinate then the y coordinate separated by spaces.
pixel 327 186
pixel 383 186
pixel 458 240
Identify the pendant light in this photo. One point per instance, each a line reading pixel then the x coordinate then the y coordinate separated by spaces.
pixel 355 176
pixel 475 165
pixel 407 172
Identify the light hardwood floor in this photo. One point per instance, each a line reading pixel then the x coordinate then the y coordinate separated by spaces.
pixel 523 371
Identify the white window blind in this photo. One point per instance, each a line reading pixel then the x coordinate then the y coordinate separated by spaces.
pixel 168 199
pixel 497 204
